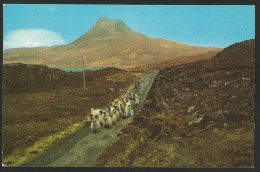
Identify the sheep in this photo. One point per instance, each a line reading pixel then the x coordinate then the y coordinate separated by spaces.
pixel 113 118
pixel 117 113
pixel 94 125
pixel 124 100
pixel 126 113
pixel 108 122
pixel 131 96
pixel 136 101
pixel 116 102
pixel 124 96
pixel 95 111
pixel 105 114
pixel 129 103
pixel 102 114
pixel 135 96
pixel 120 110
pixel 91 116
pixel 111 110
pixel 100 119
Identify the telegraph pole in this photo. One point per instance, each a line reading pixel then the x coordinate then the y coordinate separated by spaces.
pixel 83 59
pixel 128 65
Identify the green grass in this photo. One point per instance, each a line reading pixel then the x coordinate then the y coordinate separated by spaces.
pixel 19 158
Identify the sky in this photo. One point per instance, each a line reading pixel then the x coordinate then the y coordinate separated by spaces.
pixel 30 25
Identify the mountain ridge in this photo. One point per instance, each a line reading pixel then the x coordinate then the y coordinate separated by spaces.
pixel 109 43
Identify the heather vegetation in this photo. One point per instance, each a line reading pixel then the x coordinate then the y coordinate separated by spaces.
pixel 196 115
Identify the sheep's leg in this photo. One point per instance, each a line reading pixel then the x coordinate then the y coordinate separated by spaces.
pixel 94 130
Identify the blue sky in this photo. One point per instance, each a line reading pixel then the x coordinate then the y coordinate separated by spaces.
pixel 206 25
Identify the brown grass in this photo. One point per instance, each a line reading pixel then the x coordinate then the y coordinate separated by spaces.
pixel 29 117
pixel 208 120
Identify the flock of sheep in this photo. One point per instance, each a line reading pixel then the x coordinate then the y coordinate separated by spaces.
pixel 118 109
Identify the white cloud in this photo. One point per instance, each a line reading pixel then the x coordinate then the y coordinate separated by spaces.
pixel 32 38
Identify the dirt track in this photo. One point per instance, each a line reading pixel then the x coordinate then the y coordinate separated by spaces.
pixel 83 147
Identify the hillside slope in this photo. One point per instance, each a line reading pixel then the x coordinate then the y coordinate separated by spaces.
pixel 196 115
pixel 109 43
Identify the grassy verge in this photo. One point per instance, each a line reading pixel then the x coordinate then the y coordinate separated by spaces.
pixel 42 145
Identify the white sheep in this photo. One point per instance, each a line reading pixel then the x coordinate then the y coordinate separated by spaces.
pixel 116 102
pixel 108 122
pixel 102 114
pixel 136 101
pixel 131 96
pixel 100 119
pixel 135 96
pixel 117 113
pixel 95 111
pixel 126 113
pixel 113 118
pixel 107 114
pixel 120 110
pixel 91 117
pixel 128 101
pixel 124 96
pixel 128 104
pixel 94 125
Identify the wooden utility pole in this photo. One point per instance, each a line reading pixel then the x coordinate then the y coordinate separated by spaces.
pixel 128 66
pixel 83 59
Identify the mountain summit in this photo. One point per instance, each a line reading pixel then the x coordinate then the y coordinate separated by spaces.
pixel 109 43
pixel 108 28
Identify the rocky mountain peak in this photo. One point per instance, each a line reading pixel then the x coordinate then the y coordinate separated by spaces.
pixel 106 27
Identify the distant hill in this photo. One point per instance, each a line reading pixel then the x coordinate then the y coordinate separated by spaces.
pixel 18 77
pixel 110 43
pixel 176 61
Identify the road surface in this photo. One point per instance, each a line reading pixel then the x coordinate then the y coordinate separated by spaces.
pixel 82 148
